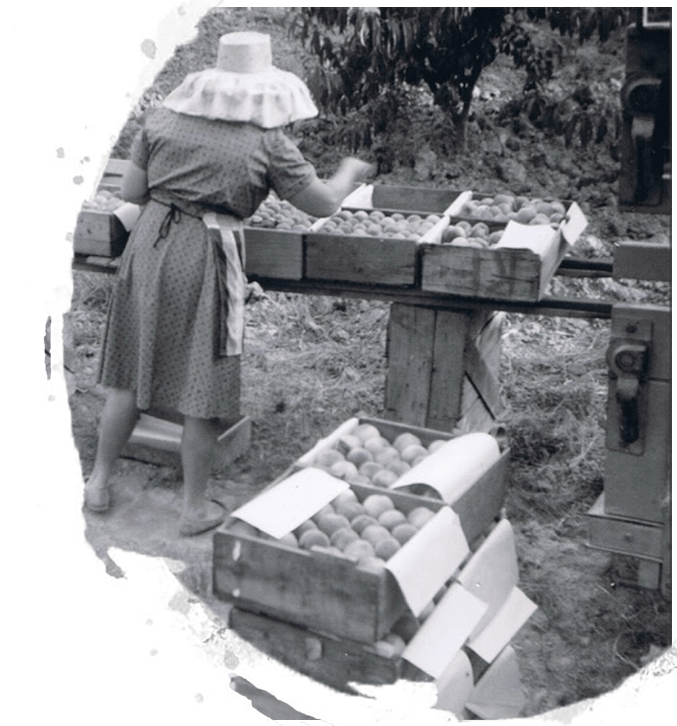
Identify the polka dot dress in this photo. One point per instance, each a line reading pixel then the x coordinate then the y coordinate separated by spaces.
pixel 162 334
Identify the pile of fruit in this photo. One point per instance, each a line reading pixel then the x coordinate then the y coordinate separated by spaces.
pixel 378 224
pixel 465 234
pixel 368 458
pixel 279 214
pixel 366 532
pixel 502 208
pixel 103 201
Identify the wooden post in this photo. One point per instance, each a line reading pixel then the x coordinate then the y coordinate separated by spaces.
pixel 443 368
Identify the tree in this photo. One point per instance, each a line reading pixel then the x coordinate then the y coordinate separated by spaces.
pixel 369 58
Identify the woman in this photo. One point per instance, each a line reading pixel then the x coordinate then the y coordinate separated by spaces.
pixel 202 163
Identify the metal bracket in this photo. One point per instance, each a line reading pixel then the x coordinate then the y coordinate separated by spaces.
pixel 627 358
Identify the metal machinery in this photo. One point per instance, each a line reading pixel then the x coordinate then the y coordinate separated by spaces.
pixel 633 515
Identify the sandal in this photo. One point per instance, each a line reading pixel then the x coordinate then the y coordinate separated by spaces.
pixel 192 527
pixel 97 500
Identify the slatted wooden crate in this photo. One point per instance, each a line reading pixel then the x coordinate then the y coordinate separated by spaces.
pixel 321 591
pixel 498 272
pixel 443 368
pixel 99 233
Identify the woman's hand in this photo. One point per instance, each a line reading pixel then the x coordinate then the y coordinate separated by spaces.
pixel 356 169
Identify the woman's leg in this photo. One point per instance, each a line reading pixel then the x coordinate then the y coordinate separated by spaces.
pixel 117 423
pixel 198 446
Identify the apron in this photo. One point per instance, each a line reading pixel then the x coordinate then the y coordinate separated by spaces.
pixel 225 234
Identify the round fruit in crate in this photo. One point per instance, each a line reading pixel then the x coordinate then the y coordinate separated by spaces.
pixel 376 504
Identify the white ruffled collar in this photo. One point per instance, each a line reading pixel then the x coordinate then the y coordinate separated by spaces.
pixel 268 100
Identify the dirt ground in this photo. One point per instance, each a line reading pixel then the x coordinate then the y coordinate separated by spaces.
pixel 314 363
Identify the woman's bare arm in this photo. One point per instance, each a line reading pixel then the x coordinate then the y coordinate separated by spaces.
pixel 322 199
pixel 135 185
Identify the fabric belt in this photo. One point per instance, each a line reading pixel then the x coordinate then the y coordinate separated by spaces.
pixel 226 239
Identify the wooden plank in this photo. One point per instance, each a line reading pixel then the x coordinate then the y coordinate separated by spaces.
pixel 326 659
pixel 412 199
pixel 642 261
pixel 377 260
pixel 99 233
pixel 410 361
pixel 273 253
pixel 446 379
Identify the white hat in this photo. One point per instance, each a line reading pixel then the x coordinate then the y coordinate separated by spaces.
pixel 244 87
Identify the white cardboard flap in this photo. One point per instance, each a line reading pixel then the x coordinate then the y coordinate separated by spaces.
pixel 455 207
pixel 429 559
pixel 492 572
pixel 282 508
pixel 574 225
pixel 516 610
pixel 535 237
pixel 128 213
pixel 499 693
pixel 362 197
pixel 440 638
pixel 455 685
pixel 455 466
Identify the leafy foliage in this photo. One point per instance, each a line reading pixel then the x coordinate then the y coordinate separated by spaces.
pixel 369 60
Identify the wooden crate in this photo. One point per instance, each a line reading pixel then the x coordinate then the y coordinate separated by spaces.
pixel 490 273
pixel 322 592
pixel 99 233
pixel 351 258
pixel 443 368
pixel 496 272
pixel 335 662
pixel 156 439
pixel 271 253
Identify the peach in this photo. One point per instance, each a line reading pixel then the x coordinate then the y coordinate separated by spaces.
pixel 359 455
pixel 289 540
pixel 341 538
pixel 369 468
pixel 376 444
pixel 313 537
pixel 305 527
pixel 343 498
pixel 243 528
pixel 358 550
pixel 420 516
pixel 385 456
pixel 386 547
pixel 399 467
pixel 327 509
pixel 376 504
pixel 350 510
pixel 361 522
pixel 433 446
pixel 405 439
pixel 371 563
pixel 413 451
pixel 343 469
pixel 404 532
pixel 384 478
pixel 391 517
pixel 366 431
pixel 348 442
pixel 374 533
pixel 329 523
pixel 328 457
